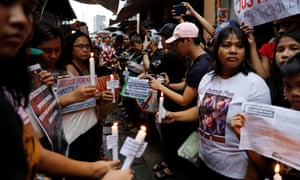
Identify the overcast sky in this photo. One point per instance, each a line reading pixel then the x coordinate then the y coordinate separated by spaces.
pixel 86 12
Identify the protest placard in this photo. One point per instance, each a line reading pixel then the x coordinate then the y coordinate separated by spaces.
pixel 136 88
pixel 67 85
pixel 256 12
pixel 273 132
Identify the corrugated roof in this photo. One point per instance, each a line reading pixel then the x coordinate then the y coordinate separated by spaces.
pixel 61 8
pixel 111 5
pixel 132 8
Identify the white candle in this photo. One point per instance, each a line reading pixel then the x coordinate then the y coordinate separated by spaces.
pixel 160 107
pixel 92 69
pixel 113 89
pixel 277 176
pixel 141 134
pixel 140 137
pixel 115 132
pixel 114 129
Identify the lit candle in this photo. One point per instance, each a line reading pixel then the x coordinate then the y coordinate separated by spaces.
pixel 113 89
pixel 277 176
pixel 140 137
pixel 160 107
pixel 114 129
pixel 115 132
pixel 141 134
pixel 92 69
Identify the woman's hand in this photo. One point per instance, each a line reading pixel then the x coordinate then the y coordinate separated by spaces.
pixel 237 122
pixel 154 84
pixel 106 95
pixel 168 117
pixel 84 92
pixel 47 78
pixel 118 174
pixel 166 78
pixel 249 32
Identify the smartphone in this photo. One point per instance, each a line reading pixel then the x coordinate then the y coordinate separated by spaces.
pixel 149 35
pixel 179 9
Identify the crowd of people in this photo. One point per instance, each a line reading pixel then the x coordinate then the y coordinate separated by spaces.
pixel 203 81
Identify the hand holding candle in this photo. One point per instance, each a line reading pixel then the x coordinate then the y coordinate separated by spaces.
pixel 140 137
pixel 115 132
pixel 113 89
pixel 277 176
pixel 161 108
pixel 92 69
pixel 141 134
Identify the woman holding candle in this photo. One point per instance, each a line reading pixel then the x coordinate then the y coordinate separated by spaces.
pixel 49 39
pixel 87 144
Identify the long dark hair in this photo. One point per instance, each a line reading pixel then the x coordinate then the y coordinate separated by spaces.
pixel 275 79
pixel 291 67
pixel 70 43
pixel 245 67
pixel 15 78
pixel 43 31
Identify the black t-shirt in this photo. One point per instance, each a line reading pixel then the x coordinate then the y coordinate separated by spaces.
pixel 197 70
pixel 13 156
pixel 176 68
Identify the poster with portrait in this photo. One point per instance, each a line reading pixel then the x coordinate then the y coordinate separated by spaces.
pixel 46 112
pixel 213 111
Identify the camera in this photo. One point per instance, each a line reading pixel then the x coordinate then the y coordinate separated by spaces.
pixel 179 9
pixel 149 35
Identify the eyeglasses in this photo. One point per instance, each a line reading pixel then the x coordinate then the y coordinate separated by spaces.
pixel 81 46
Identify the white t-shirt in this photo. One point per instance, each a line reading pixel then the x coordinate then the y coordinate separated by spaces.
pixel 77 123
pixel 222 98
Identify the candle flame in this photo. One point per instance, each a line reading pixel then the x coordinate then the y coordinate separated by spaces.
pixel 92 54
pixel 277 168
pixel 161 94
pixel 143 128
pixel 126 68
pixel 115 124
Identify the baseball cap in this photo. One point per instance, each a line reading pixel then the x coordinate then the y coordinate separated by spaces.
pixel 167 30
pixel 228 23
pixel 184 30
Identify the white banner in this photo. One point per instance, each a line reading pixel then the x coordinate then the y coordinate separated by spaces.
pixel 256 12
pixel 273 132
